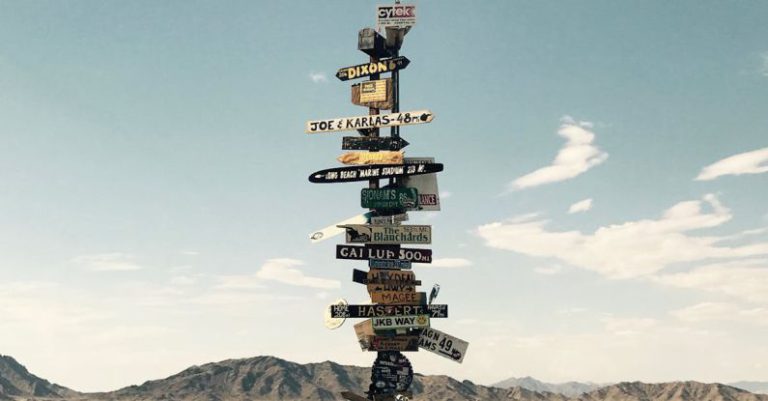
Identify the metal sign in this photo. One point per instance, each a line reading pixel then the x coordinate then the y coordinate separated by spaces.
pixel 334 230
pixel 378 67
pixel 359 276
pixel 429 195
pixel 391 373
pixel 372 143
pixel 400 343
pixel 396 16
pixel 399 298
pixel 363 158
pixel 388 219
pixel 371 234
pixel 363 173
pixel 400 322
pixel 443 344
pixel 389 264
pixel 389 198
pixel 369 121
pixel 370 252
pixel 370 311
pixel 334 322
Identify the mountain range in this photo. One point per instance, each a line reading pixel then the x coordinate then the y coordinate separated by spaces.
pixel 267 378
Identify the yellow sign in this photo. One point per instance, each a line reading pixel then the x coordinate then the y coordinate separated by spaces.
pixel 382 157
pixel 373 91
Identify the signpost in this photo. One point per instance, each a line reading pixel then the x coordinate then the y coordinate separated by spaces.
pixel 389 198
pixel 370 252
pixel 372 143
pixel 399 298
pixel 402 343
pixel 383 157
pixel 399 322
pixel 364 173
pixel 373 68
pixel 374 234
pixel 443 344
pixel 370 121
pixel 435 311
pixel 429 195
pixel 388 219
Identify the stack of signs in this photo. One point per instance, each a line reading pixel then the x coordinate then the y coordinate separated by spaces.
pixel 391 373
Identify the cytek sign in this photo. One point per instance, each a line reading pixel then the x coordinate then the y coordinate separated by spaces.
pixel 370 121
pixel 443 344
pixel 414 255
pixel 365 70
pixel 396 16
pixel 400 322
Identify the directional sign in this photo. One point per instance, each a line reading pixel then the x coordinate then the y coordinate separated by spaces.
pixel 369 121
pixel 364 332
pixel 372 143
pixel 331 231
pixel 376 276
pixel 370 234
pixel 390 219
pixel 369 311
pixel 396 16
pixel 389 264
pixel 363 158
pixel 376 94
pixel 389 198
pixel 399 298
pixel 400 343
pixel 363 173
pixel 429 195
pixel 334 322
pixel 365 70
pixel 399 286
pixel 370 252
pixel 443 344
pixel 377 280
pixel 400 322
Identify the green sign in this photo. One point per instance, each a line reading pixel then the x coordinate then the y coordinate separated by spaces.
pixel 389 198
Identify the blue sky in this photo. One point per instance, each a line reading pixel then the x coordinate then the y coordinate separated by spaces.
pixel 154 207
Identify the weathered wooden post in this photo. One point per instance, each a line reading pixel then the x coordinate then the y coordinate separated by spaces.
pixel 399 317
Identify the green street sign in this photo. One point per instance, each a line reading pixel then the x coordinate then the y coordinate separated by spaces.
pixel 389 198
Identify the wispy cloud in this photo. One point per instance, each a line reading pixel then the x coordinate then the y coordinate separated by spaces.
pixel 581 206
pixel 745 280
pixel 754 162
pixel 575 157
pixel 284 271
pixel 451 263
pixel 548 270
pixel 629 249
pixel 318 77
pixel 722 312
pixel 104 262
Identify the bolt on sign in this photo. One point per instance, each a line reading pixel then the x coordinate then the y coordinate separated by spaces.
pixel 400 343
pixel 399 298
pixel 389 264
pixel 364 173
pixel 399 322
pixel 376 94
pixel 442 344
pixel 370 252
pixel 435 311
pixel 378 67
pixel 370 234
pixel 369 121
pixel 372 143
pixel 362 158
pixel 396 16
pixel 389 198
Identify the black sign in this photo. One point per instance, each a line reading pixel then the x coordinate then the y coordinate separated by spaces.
pixel 363 173
pixel 391 373
pixel 359 276
pixel 373 143
pixel 365 311
pixel 370 252
pixel 366 70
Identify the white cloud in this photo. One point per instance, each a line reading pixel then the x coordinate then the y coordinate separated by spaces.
pixel 581 206
pixel 284 271
pixel 103 262
pixel 548 271
pixel 754 162
pixel 746 280
pixel 445 194
pixel 575 157
pixel 318 77
pixel 625 250
pixel 722 312
pixel 450 263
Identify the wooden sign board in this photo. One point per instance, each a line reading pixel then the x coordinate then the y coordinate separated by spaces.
pixel 396 16
pixel 365 158
pixel 364 332
pixel 401 286
pixel 399 298
pixel 442 344
pixel 389 198
pixel 390 219
pixel 400 343
pixel 370 311
pixel 399 322
pixel 378 67
pixel 369 121
pixel 377 252
pixel 389 264
pixel 364 173
pixel 376 94
pixel 372 143
pixel 389 234
pixel 381 276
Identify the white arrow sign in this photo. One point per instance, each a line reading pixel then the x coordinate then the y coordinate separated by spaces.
pixel 443 344
pixel 370 121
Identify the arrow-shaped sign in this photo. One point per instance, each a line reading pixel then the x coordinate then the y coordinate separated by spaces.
pixel 372 143
pixel 369 121
pixel 362 173
pixel 366 70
